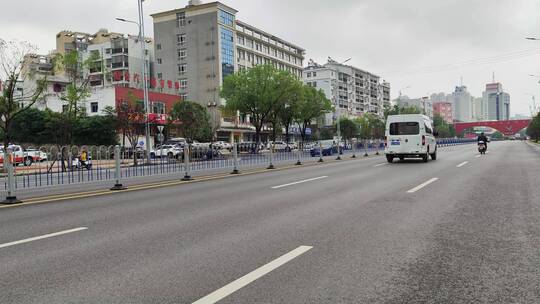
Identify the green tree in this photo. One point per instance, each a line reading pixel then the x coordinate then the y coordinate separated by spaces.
pixel 192 119
pixel 312 105
pixel 29 127
pixel 258 92
pixel 13 102
pixel 444 129
pixel 77 91
pixel 371 126
pixel 396 110
pixel 533 130
pixel 289 111
pixel 130 119
pixel 96 130
pixel 327 133
pixel 348 128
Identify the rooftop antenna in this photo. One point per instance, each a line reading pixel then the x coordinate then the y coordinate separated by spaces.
pixel 493 77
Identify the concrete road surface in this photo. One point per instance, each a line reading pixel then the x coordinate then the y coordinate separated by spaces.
pixel 462 229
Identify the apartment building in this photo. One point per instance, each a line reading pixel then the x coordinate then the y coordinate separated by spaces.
pixel 201 44
pixel 424 104
pixel 352 91
pixel 120 56
pixel 444 110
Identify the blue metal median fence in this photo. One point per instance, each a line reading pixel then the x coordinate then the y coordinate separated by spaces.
pixel 62 166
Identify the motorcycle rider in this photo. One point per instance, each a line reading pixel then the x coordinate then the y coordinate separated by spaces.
pixel 482 137
pixel 84 159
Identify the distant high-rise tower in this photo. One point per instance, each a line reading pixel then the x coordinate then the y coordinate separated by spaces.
pixel 462 104
pixel 495 102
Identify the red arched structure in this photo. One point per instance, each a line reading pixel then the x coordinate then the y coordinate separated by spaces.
pixel 506 127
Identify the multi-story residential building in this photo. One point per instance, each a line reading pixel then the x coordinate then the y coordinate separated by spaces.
pixel 462 102
pixel 444 109
pixel 424 104
pixel 496 102
pixel 120 56
pixel 352 91
pixel 384 93
pixel 200 44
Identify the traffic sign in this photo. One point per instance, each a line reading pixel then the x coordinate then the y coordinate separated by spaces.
pixel 160 129
pixel 160 137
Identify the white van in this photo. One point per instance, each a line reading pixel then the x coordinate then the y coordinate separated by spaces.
pixel 410 135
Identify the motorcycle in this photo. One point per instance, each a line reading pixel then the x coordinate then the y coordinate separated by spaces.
pixel 77 164
pixel 482 147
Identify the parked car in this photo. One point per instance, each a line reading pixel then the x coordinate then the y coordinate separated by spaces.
pixel 223 145
pixel 280 146
pixel 178 141
pixel 198 145
pixel 22 157
pixel 37 155
pixel 329 147
pixel 169 151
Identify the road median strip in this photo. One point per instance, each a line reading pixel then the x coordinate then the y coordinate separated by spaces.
pixel 155 185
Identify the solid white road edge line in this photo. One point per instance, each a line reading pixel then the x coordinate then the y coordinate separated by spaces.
pixel 299 182
pixel 462 164
pixel 252 276
pixel 413 190
pixel 380 165
pixel 42 237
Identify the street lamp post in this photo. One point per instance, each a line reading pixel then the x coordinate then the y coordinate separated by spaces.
pixel 212 106
pixel 140 24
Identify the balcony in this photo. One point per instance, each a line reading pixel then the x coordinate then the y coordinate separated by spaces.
pixel 119 65
pixel 120 51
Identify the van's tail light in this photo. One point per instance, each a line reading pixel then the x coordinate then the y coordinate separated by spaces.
pixel 386 141
pixel 423 140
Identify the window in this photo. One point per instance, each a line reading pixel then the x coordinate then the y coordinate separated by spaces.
pixel 314 74
pixel 182 54
pixel 181 39
pixel 249 43
pixel 65 108
pixel 160 75
pixel 428 128
pixel 94 107
pixel 241 40
pixel 184 96
pixel 158 46
pixel 183 83
pixel 227 51
pixel 180 19
pixel 257 47
pixel 309 74
pixel 404 128
pixel 182 69
pixel 159 61
pixel 266 49
pixel 226 18
pixel 158 108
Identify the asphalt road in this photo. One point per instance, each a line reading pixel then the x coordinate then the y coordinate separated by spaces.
pixel 462 229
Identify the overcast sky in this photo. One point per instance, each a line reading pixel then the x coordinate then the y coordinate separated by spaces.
pixel 419 46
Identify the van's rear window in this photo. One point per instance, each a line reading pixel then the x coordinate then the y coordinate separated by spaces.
pixel 404 128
